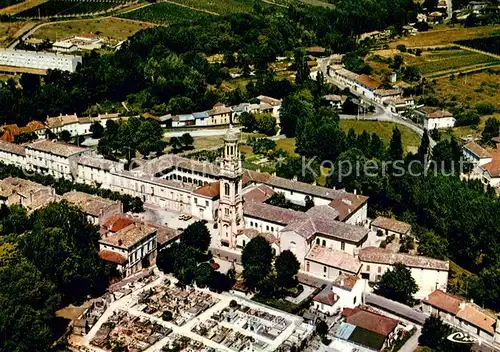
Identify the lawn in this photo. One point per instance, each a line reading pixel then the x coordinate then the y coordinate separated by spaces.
pixel 287 144
pixel 435 61
pixel 443 36
pixel 115 28
pixel 166 13
pixel 411 140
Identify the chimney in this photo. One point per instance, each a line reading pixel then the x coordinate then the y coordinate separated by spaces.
pixel 342 282
pixel 294 178
pixel 314 183
pixel 355 191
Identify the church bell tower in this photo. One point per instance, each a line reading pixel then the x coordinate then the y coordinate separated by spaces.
pixel 230 203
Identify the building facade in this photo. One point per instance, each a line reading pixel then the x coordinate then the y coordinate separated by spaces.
pixel 39 60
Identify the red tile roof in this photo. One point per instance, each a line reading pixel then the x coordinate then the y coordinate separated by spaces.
pixel 439 114
pixel 367 81
pixel 112 257
pixel 391 225
pixel 259 194
pixel 372 321
pixel 210 190
pixel 493 167
pixel 477 150
pixel 444 301
pixel 326 296
pixel 477 317
pixel 117 223
pixel 346 281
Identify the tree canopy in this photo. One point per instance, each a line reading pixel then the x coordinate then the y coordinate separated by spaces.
pixel 397 284
pixel 257 259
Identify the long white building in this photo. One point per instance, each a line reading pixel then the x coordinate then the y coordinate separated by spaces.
pixel 330 239
pixel 39 60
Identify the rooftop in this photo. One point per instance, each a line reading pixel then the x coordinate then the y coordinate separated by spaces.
pixel 164 234
pixel 326 296
pixel 117 222
pixel 129 236
pixel 334 258
pixel 258 194
pixel 493 167
pixel 90 204
pixel 12 148
pixel 269 100
pixel 251 233
pixel 61 120
pixel 113 257
pixel 477 317
pixel 387 92
pixel 20 186
pixel 332 97
pixel 371 321
pixel 477 150
pixel 385 256
pixel 444 301
pixel 323 211
pixel 210 190
pixel 391 225
pixel 219 109
pixel 348 204
pixel 281 216
pixel 96 162
pixel 61 149
pixel 346 281
pixel 311 226
pixel 439 114
pixel 368 81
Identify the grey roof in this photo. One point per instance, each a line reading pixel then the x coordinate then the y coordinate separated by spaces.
pixel 95 162
pixel 323 211
pixel 200 115
pixel 12 148
pixel 318 191
pixel 281 216
pixel 327 227
pixel 385 256
pixel 186 117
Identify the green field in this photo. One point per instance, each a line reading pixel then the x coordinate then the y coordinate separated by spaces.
pixel 219 6
pixel 432 62
pixel 166 13
pixel 67 8
pixel 411 140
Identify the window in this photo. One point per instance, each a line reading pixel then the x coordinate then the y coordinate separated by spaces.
pixel 251 223
pixel 379 270
pixel 226 211
pixel 324 243
pixel 226 189
pixel 206 203
pixel 340 272
pixel 317 241
pixel 354 300
pixel 324 269
pixel 342 246
pixel 267 227
pixel 196 201
pixel 367 268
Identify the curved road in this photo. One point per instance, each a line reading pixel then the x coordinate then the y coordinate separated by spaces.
pixel 381 114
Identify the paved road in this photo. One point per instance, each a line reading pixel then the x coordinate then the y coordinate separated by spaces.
pixel 381 114
pixel 200 133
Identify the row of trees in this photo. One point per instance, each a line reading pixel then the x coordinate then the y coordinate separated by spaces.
pixel 47 260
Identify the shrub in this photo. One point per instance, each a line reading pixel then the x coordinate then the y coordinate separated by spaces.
pixel 167 315
pixel 485 109
pixel 233 303
pixel 401 48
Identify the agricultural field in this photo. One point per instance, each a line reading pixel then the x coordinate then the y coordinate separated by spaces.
pixel 221 7
pixel 114 28
pixel 431 63
pixel 67 8
pixel 10 30
pixel 410 139
pixel 488 44
pixel 442 36
pixel 469 90
pixel 7 3
pixel 166 13
pixel 20 6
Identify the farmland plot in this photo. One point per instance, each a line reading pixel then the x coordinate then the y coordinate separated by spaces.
pixel 166 13
pixel 67 8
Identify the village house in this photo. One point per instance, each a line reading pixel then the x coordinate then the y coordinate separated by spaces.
pixel 467 315
pixel 400 105
pixel 131 248
pixel 12 154
pixel 391 227
pixel 363 326
pixel 438 119
pixel 429 274
pixel 333 100
pixel 346 291
pixel 382 95
pixel 17 191
pixel 53 158
pixel 220 114
pixel 97 209
pixel 273 103
pixel 486 163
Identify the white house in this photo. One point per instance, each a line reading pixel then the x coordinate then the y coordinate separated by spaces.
pixel 391 227
pixel 39 60
pixel 476 154
pixel 429 274
pixel 346 291
pixel 12 154
pixel 438 120
pixel 131 248
pixel 53 158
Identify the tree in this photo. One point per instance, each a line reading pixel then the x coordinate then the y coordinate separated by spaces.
pixel 187 141
pixel 321 328
pixel 396 146
pixel 423 148
pixel 433 246
pixel 435 335
pixel 397 284
pixel 137 205
pixel 266 123
pixel 491 129
pixel 248 121
pixel 176 144
pixel 167 315
pixel 377 148
pixel 16 221
pixel 295 106
pixel 286 266
pixel 97 130
pixel 28 305
pixel 203 275
pixel 196 236
pixel 64 247
pixel 30 83
pixel 256 258
pixel 301 67
pixel 65 136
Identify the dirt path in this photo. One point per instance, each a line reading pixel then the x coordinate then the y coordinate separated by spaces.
pixel 192 8
pixel 470 70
